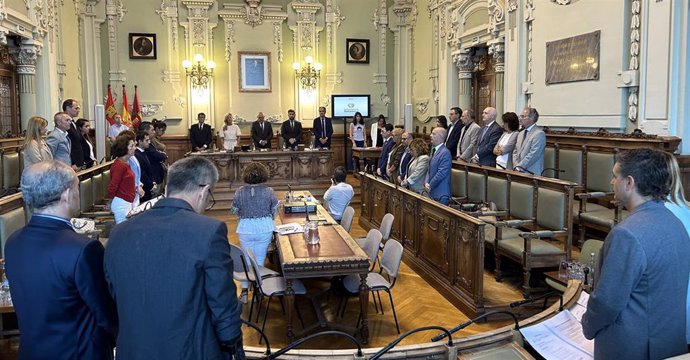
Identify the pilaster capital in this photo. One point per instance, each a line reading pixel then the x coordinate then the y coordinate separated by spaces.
pixel 463 61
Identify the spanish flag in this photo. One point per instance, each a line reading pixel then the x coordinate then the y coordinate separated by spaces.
pixel 110 110
pixel 126 117
pixel 136 110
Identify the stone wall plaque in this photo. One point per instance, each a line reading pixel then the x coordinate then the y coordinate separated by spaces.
pixel 573 59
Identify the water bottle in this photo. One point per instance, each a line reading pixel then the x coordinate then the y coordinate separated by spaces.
pixel 592 258
pixel 5 296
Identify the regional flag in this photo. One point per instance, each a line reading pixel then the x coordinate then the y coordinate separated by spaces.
pixel 136 110
pixel 126 117
pixel 110 110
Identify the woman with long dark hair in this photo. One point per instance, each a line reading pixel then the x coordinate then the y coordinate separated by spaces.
pixel 358 137
pixel 84 127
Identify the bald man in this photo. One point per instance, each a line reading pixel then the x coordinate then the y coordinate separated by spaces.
pixel 488 138
pixel 262 132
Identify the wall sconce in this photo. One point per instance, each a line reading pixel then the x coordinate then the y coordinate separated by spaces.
pixel 308 75
pixel 199 73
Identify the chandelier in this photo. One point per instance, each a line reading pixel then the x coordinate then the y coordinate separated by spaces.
pixel 308 75
pixel 200 74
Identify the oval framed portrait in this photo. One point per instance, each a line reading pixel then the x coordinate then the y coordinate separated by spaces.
pixel 357 51
pixel 142 46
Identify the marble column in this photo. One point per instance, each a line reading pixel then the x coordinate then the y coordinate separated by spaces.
pixel 26 56
pixel 463 61
pixel 90 43
pixel 497 49
pixel 404 13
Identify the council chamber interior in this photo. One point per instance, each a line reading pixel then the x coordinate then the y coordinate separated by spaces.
pixel 605 76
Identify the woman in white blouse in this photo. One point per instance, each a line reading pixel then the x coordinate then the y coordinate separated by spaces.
pixel 35 148
pixel 231 132
pixel 358 137
pixel 504 148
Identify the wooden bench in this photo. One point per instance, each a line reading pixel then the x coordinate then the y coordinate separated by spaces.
pixel 528 210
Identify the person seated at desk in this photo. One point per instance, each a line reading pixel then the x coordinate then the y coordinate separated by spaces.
pixel 255 204
pixel 261 132
pixel 291 131
pixel 200 134
pixel 340 193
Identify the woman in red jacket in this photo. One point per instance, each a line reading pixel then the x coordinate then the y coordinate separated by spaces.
pixel 121 188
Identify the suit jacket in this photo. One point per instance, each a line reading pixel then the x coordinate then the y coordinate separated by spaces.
pixel 200 137
pixel 172 284
pixel 76 152
pixel 417 172
pixel 36 151
pixel 265 134
pixel 454 138
pixel 395 157
pixel 146 174
pixel 439 175
pixel 288 132
pixel 405 162
pixel 486 144
pixel 319 132
pixel 529 151
pixel 60 146
pixel 157 160
pixel 467 146
pixel 59 292
pixel 86 150
pixel 383 159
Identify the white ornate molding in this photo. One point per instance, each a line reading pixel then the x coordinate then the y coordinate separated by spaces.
pixel 229 36
pixel 528 18
pixel 561 2
pixel 253 13
pixel 3 11
pixel 512 5
pixel 25 56
pixel 463 61
pixel 422 106
pixel 497 50
pixel 333 21
pixel 496 16
pixel 529 11
pixel 634 63
pixel 278 38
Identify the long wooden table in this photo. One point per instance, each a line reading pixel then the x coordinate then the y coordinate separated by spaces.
pixel 336 255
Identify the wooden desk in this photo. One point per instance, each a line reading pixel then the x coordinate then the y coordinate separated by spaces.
pixel 336 255
pixel 367 154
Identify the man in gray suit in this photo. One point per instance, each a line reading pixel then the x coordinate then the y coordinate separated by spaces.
pixel 173 284
pixel 58 140
pixel 637 308
pixel 528 155
pixel 467 146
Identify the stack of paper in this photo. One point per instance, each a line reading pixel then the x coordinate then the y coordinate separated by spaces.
pixel 561 337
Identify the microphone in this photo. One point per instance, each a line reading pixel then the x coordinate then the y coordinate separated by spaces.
pixel 552 169
pixel 306 209
pixel 543 296
pixel 501 166
pixel 470 322
pixel 521 169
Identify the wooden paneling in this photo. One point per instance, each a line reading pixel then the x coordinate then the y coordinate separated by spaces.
pixel 450 259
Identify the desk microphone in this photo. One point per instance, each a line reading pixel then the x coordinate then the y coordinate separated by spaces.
pixel 543 296
pixel 470 322
pixel 306 209
pixel 523 170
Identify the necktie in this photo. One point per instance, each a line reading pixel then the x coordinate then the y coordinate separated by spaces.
pixel 483 133
pixel 262 127
pixel 292 124
pixel 524 137
pixel 323 127
pixel 433 150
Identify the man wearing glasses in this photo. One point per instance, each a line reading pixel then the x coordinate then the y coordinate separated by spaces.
pixel 170 272
pixel 528 155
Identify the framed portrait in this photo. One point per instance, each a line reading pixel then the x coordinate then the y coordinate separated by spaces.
pixel 357 51
pixel 255 71
pixel 142 46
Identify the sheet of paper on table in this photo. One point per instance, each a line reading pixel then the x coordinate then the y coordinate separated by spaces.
pixel 560 337
pixel 289 228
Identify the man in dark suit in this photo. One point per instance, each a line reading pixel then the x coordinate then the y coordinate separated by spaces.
pixel 200 134
pixel 261 132
pixel 76 154
pixel 406 156
pixel 56 275
pixel 454 131
pixel 488 138
pixel 143 143
pixel 291 131
pixel 323 129
pixel 388 145
pixel 156 157
pixel 170 272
